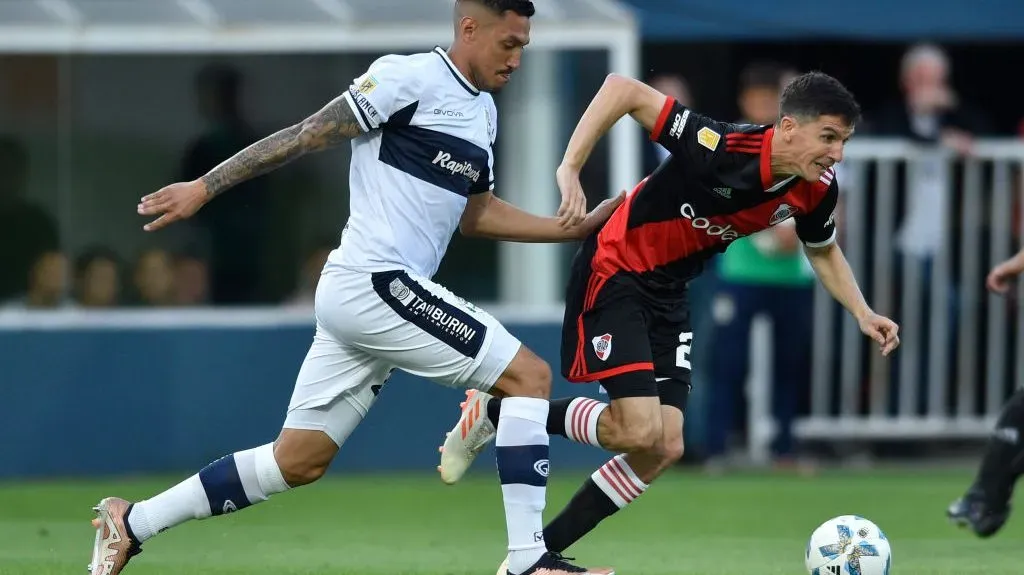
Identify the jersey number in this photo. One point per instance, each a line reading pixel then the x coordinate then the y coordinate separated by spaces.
pixel 683 351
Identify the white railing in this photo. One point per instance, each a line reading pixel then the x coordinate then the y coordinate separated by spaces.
pixel 951 327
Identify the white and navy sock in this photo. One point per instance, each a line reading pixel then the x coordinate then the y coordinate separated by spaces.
pixel 574 418
pixel 521 447
pixel 231 483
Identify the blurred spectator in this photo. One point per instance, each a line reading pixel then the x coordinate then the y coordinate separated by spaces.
pixel 98 279
pixel 933 115
pixel 154 278
pixel 675 86
pixel 309 275
pixel 763 274
pixel 236 222
pixel 191 280
pixel 47 284
pixel 27 231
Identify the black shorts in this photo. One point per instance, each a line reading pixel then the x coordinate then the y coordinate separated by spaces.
pixel 636 344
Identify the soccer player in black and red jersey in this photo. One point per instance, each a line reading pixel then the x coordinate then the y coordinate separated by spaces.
pixel 626 321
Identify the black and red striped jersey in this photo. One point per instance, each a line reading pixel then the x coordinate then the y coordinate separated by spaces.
pixel 714 188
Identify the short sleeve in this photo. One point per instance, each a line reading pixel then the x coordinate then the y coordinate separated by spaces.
pixel 487 184
pixel 818 228
pixel 387 86
pixel 688 135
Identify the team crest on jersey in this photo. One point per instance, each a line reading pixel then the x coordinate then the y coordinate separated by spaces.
pixel 368 85
pixel 398 289
pixel 708 138
pixel 781 213
pixel 603 346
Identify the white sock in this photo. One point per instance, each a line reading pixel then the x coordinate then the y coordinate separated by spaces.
pixel 231 483
pixel 581 420
pixel 619 482
pixel 521 447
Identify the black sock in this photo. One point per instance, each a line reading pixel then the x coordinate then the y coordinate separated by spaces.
pixel 1003 462
pixel 556 414
pixel 588 507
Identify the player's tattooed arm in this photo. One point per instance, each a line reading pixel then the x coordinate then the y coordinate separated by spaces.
pixel 334 124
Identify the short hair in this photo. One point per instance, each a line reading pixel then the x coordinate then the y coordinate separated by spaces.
pixel 761 75
pixel 92 255
pixel 815 94
pixel 521 7
pixel 924 52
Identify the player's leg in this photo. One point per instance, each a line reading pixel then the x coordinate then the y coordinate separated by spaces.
pixel 986 505
pixel 437 335
pixel 332 393
pixel 646 451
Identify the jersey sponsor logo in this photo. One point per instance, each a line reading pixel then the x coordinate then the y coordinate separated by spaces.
pixel 448 113
pixel 726 232
pixel 831 219
pixel 455 167
pixel 369 84
pixel 782 213
pixel 679 124
pixel 724 192
pixel 708 138
pixel 602 346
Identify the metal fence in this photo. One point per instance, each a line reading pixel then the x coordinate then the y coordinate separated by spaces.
pixel 962 351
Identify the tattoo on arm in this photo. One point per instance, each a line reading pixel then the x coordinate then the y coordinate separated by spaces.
pixel 334 124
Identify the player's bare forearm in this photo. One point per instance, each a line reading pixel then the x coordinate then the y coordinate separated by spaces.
pixel 493 218
pixel 334 124
pixel 618 97
pixel 834 273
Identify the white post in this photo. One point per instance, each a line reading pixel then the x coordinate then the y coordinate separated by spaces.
pixel 626 153
pixel 528 157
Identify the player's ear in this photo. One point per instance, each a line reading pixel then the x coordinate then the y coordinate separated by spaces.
pixel 788 125
pixel 468 28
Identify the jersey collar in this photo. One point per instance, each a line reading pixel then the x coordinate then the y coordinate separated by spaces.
pixel 455 71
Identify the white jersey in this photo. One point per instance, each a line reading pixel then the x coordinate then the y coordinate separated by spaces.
pixel 427 147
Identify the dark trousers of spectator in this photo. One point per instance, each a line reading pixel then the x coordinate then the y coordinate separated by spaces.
pixel 790 310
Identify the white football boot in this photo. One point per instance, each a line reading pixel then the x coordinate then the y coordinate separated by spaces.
pixel 467 439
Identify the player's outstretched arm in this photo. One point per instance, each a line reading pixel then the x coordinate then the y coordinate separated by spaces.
pixel 834 273
pixel 618 97
pixel 334 124
pixel 487 216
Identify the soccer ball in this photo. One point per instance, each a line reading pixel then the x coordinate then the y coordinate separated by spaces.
pixel 848 545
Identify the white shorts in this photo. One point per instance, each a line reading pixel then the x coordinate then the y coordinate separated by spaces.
pixel 368 324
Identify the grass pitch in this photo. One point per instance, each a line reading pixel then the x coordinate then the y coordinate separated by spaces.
pixel 413 525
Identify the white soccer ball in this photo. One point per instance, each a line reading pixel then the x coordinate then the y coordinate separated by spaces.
pixel 848 545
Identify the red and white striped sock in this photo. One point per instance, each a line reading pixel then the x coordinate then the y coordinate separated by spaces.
pixel 581 420
pixel 619 482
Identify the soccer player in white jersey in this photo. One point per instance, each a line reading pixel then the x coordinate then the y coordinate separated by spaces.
pixel 422 129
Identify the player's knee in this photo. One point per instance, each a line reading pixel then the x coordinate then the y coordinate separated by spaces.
pixel 527 376
pixel 671 450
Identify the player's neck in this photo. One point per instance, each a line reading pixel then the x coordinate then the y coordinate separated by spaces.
pixel 458 57
pixel 782 164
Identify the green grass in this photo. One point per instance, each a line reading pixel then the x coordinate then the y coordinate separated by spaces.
pixel 752 524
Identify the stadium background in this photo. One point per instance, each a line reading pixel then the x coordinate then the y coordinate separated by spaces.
pixel 102 101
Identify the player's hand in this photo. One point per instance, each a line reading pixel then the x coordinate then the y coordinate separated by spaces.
pixel 172 203
pixel 598 216
pixel 881 329
pixel 998 279
pixel 573 209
